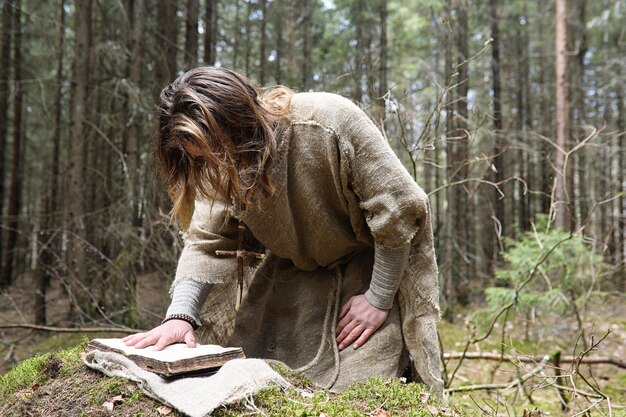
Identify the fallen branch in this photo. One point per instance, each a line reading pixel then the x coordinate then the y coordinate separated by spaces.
pixel 608 360
pixel 517 382
pixel 70 329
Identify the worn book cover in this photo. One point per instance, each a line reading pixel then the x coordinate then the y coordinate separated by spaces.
pixel 174 360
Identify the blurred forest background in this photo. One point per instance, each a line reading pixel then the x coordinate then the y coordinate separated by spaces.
pixel 510 114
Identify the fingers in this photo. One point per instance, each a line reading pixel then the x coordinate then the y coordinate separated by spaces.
pixel 148 340
pixel 346 330
pixel 345 308
pixel 190 339
pixel 363 338
pixel 352 336
pixel 132 339
pixel 162 342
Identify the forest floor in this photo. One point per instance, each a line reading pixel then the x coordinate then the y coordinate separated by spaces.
pixel 80 391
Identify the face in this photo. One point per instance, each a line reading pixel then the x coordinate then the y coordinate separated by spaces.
pixel 192 149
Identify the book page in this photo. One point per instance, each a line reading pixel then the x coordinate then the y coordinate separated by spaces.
pixel 171 353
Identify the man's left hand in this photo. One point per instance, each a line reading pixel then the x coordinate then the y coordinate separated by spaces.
pixel 358 320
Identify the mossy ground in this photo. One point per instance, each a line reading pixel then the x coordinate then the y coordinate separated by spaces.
pixel 59 384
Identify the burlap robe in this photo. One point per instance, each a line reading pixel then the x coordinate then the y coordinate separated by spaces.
pixel 340 188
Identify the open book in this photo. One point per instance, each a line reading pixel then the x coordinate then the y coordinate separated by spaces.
pixel 174 360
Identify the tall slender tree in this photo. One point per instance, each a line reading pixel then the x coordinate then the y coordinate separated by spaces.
pixel 5 58
pixel 382 72
pixel 15 190
pixel 51 218
pixel 75 208
pixel 492 247
pixel 133 140
pixel 191 33
pixel 210 31
pixel 263 41
pixel 562 188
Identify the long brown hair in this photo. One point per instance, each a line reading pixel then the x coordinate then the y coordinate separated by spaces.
pixel 216 138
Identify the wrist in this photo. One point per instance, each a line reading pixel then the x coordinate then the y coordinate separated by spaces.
pixel 182 317
pixel 381 303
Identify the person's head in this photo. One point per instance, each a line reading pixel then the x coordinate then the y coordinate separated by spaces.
pixel 215 138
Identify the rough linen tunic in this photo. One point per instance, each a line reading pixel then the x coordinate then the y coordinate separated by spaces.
pixel 340 188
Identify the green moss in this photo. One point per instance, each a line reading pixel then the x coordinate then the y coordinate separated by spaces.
pixel 39 368
pixel 71 358
pixel 24 375
pixel 397 398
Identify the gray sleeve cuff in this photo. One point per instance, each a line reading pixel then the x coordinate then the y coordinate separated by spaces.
pixel 188 297
pixel 389 265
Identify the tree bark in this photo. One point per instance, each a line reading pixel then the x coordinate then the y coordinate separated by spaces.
pixel 306 43
pixel 15 189
pixel 449 284
pixel 5 58
pixel 620 245
pixel 52 202
pixel 289 34
pixel 133 140
pixel 492 248
pixel 358 53
pixel 382 73
pixel 562 191
pixel 279 43
pixel 210 32
pixel 191 34
pixel 583 180
pixel 75 190
pixel 166 67
pixel 237 36
pixel 461 156
pixel 263 46
pixel 248 40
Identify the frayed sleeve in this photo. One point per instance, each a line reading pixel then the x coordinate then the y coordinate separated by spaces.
pixel 395 207
pixel 211 228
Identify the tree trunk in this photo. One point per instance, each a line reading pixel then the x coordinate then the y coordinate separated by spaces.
pixel 52 203
pixel 262 48
pixel 382 81
pixel 358 53
pixel 278 23
pixel 191 34
pixel 210 32
pixel 461 156
pixel 290 26
pixel 248 43
pixel 562 193
pixel 237 36
pixel 132 145
pixel 620 245
pixel 546 172
pixel 492 249
pixel 449 271
pixel 15 189
pixel 166 67
pixel 583 180
pixel 5 58
pixel 306 43
pixel 133 141
pixel 75 191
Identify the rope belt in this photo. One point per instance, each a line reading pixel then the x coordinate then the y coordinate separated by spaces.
pixel 329 327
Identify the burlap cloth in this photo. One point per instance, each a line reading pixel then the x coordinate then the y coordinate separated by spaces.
pixel 340 189
pixel 195 396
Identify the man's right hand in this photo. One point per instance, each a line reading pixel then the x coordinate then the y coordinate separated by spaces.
pixel 168 333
